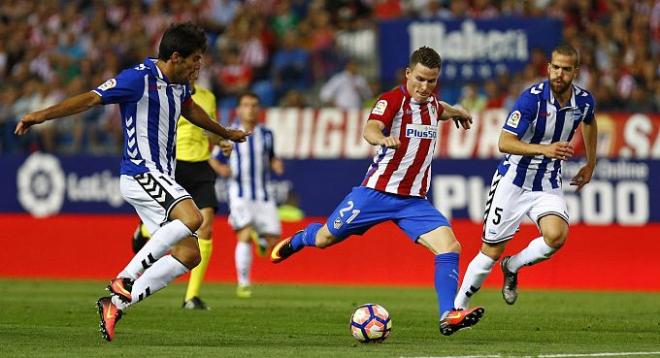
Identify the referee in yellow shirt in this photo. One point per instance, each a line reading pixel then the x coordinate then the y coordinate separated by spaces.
pixel 196 176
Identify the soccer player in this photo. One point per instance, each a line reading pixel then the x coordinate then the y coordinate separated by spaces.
pixel 535 139
pixel 195 175
pixel 151 96
pixel 404 124
pixel 251 206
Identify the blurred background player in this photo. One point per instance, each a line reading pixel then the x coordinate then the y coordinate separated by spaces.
pixel 251 206
pixel 151 96
pixel 196 176
pixel 404 124
pixel 536 139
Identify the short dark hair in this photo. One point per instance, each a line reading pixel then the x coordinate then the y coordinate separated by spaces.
pixel 568 50
pixel 426 56
pixel 247 94
pixel 184 38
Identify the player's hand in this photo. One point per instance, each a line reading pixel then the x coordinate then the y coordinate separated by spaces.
pixel 582 177
pixel 28 121
pixel 226 147
pixel 391 142
pixel 277 165
pixel 559 150
pixel 237 135
pixel 463 118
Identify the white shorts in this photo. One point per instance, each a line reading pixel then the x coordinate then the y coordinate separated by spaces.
pixel 508 203
pixel 261 215
pixel 153 195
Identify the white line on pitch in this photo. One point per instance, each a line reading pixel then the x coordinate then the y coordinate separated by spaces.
pixel 562 355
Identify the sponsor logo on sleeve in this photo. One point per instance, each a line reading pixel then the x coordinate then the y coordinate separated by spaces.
pixel 111 83
pixel 379 108
pixel 513 119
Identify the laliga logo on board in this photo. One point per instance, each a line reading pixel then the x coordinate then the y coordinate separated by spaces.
pixel 41 185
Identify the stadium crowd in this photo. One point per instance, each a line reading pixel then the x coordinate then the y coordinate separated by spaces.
pixel 289 52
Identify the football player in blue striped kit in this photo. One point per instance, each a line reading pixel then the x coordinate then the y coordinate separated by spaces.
pixel 251 205
pixel 535 140
pixel 152 96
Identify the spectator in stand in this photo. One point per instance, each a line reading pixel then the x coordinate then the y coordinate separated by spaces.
pixel 472 100
pixel 290 65
pixel 494 97
pixel 233 78
pixel 347 89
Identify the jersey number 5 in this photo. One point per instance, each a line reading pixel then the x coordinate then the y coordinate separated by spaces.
pixel 498 216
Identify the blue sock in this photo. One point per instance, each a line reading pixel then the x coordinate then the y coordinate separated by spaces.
pixel 306 237
pixel 446 280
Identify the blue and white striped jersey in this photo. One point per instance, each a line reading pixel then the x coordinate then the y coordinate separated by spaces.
pixel 250 165
pixel 150 106
pixel 537 118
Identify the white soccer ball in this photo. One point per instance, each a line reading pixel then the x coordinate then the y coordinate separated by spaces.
pixel 370 323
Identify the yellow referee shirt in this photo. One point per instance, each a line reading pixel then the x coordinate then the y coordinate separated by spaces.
pixel 192 144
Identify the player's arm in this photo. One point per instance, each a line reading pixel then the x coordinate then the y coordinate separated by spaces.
pixel 373 134
pixel 221 169
pixel 457 114
pixel 510 143
pixel 196 115
pixel 69 106
pixel 590 136
pixel 277 165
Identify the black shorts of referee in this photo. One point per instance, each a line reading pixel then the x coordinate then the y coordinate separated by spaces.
pixel 198 178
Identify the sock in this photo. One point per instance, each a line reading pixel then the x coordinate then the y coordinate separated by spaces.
pixel 197 274
pixel 535 252
pixel 477 272
pixel 306 237
pixel 154 279
pixel 143 230
pixel 446 280
pixel 243 258
pixel 168 235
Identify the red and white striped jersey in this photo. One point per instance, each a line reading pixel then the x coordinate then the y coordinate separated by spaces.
pixel 407 169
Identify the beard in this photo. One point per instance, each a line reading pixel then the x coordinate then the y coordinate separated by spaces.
pixel 559 88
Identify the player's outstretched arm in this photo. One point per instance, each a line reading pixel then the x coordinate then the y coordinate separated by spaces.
pixel 590 135
pixel 459 115
pixel 69 106
pixel 510 144
pixel 373 134
pixel 196 115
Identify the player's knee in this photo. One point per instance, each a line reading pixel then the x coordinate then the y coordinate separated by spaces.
pixel 193 220
pixel 556 237
pixel 187 256
pixel 494 251
pixel 205 232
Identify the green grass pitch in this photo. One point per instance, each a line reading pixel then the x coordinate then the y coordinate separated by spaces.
pixel 59 318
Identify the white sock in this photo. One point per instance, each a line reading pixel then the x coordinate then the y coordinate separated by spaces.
pixel 154 279
pixel 161 242
pixel 477 272
pixel 243 258
pixel 535 252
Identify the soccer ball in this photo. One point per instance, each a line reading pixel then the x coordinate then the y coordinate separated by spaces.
pixel 370 323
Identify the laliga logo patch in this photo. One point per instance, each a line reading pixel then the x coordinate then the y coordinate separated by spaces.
pixel 513 119
pixel 41 185
pixel 379 108
pixel 337 223
pixel 111 83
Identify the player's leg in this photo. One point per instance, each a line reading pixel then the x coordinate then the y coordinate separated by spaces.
pixel 550 213
pixel 243 257
pixel 140 237
pixel 165 268
pixel 425 225
pixel 505 209
pixel 360 209
pixel 205 235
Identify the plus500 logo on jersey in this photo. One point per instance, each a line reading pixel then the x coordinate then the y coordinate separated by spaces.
pixel 421 131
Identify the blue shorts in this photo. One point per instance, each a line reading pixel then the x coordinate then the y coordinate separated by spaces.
pixel 364 207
